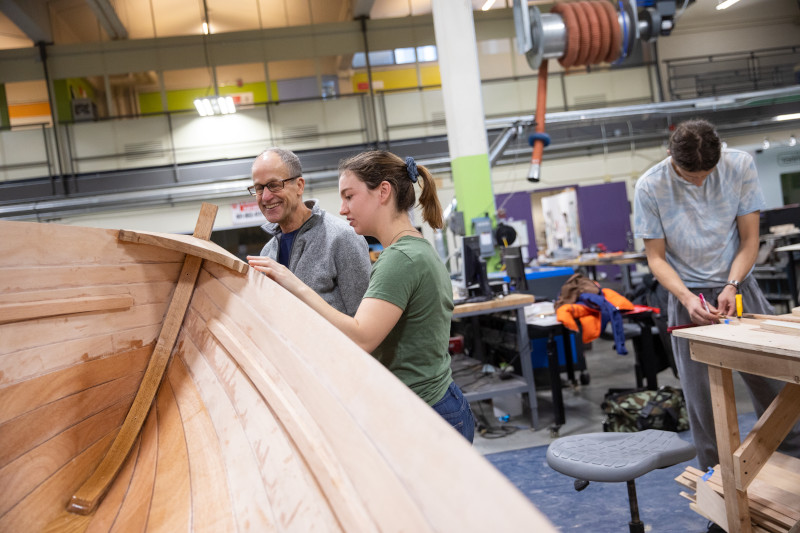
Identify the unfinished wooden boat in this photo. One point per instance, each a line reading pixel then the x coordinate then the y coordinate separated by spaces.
pixel 136 398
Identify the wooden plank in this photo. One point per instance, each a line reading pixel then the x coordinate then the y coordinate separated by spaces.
pixel 744 336
pixel 780 318
pixel 727 430
pixel 32 362
pixel 510 300
pixel 21 398
pixel 37 510
pixel 86 499
pixel 171 505
pixel 782 327
pixel 142 293
pixel 103 519
pixel 282 386
pixel 345 501
pixel 132 514
pixel 767 434
pixel 28 431
pixel 211 505
pixel 248 492
pixel 780 367
pixel 51 331
pixel 711 504
pixel 25 473
pixel 191 245
pixel 30 243
pixel 39 278
pixel 18 312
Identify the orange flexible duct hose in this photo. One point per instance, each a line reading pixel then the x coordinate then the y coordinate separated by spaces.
pixel 593 35
pixel 541 104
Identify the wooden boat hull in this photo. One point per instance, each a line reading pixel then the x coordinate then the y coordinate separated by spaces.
pixel 267 419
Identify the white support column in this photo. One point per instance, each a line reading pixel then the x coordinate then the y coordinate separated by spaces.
pixel 461 89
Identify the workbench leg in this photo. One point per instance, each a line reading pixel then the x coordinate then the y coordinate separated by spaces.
pixel 524 345
pixel 554 370
pixel 726 426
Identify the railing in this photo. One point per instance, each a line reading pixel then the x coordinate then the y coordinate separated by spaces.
pixel 722 74
pixel 178 138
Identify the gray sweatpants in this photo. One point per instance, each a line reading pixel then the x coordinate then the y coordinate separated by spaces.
pixel 694 377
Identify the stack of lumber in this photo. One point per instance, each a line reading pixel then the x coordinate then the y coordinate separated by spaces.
pixel 774 495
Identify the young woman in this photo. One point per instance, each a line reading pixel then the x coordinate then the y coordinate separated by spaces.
pixel 404 318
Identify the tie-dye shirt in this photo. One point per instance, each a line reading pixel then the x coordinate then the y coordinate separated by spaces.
pixel 698 224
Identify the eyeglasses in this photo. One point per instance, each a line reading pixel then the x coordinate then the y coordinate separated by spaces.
pixel 273 186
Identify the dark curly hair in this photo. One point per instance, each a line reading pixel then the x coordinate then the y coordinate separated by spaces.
pixel 378 166
pixel 695 146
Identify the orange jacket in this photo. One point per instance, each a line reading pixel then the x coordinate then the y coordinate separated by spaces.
pixel 571 314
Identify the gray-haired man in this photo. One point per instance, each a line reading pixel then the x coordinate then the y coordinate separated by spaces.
pixel 320 249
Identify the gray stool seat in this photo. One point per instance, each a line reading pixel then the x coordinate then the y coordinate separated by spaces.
pixel 611 457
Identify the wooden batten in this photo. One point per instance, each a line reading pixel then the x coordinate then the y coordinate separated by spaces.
pixel 88 496
pixel 18 312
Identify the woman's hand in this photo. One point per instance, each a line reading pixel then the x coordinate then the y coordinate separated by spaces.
pixel 276 272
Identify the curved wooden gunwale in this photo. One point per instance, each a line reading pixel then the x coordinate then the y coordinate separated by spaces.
pixel 257 426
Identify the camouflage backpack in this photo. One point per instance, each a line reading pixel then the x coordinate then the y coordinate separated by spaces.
pixel 629 411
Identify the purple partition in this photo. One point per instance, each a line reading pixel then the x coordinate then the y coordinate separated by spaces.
pixel 604 213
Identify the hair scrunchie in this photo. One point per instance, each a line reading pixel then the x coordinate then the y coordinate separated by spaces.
pixel 411 167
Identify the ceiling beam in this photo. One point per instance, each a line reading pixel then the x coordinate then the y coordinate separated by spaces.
pixel 30 16
pixel 108 19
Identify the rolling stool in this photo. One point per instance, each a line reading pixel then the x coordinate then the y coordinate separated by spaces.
pixel 615 457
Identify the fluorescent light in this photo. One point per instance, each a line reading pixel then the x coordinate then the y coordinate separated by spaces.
pixel 205 27
pixel 223 106
pixel 790 116
pixel 726 4
pixel 220 105
pixel 198 104
pixel 488 5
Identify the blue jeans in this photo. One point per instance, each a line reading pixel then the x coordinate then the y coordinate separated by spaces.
pixel 455 410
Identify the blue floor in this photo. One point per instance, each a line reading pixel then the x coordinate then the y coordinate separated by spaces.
pixel 603 507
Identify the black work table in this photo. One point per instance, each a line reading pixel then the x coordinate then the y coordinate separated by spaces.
pixel 482 390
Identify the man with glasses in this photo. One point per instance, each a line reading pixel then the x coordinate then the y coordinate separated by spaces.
pixel 320 249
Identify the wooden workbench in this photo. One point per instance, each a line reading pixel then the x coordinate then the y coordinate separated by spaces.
pixel 746 347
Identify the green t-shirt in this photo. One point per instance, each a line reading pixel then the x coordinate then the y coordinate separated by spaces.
pixel 410 275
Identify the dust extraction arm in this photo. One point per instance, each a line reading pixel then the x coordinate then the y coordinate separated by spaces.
pixel 583 33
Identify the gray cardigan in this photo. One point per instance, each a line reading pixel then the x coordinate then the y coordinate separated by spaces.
pixel 328 256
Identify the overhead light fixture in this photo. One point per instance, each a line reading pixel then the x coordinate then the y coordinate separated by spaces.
pixel 790 116
pixel 488 5
pixel 765 144
pixel 726 4
pixel 205 28
pixel 218 105
pixel 792 140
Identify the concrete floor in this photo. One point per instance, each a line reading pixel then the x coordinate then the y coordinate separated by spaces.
pixel 607 370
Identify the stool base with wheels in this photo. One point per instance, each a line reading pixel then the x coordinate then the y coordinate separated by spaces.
pixel 617 457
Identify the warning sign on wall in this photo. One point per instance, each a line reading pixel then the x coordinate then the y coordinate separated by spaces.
pixel 246 213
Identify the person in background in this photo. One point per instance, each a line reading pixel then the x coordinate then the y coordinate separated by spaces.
pixel 320 249
pixel 698 213
pixel 404 318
